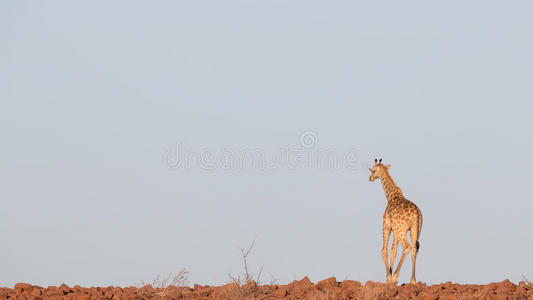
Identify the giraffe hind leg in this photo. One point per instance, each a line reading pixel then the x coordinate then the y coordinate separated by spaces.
pixel 414 239
pixel 393 255
pixel 406 248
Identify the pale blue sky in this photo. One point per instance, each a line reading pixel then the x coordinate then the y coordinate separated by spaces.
pixel 93 93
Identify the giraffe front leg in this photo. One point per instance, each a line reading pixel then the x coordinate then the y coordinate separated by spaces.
pixel 384 254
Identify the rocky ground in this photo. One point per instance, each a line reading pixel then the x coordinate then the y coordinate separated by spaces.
pixel 300 289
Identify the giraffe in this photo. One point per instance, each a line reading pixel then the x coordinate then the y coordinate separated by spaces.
pixel 401 215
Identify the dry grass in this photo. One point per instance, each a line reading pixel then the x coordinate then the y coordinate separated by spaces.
pixel 246 285
pixel 160 287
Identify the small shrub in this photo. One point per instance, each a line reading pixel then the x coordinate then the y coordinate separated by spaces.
pixel 247 285
pixel 160 287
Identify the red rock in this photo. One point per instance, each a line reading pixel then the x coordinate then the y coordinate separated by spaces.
pixel 280 293
pixel 348 294
pixel 281 289
pixel 205 290
pixel 65 289
pixel 23 287
pixel 427 296
pixel 93 291
pixel 130 290
pixel 494 297
pixel 327 283
pixel 172 288
pixel 447 297
pixel 185 291
pixel 350 284
pixel 405 293
pixel 229 286
pixel 469 297
pixel 505 287
pixel 69 297
pixel 520 290
pixel 492 286
pixel 298 289
pixel 53 291
pixel 392 291
pixel 448 285
pixel 419 286
pixel 175 293
pixel 301 284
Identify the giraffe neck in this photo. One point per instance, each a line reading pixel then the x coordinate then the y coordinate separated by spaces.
pixel 390 188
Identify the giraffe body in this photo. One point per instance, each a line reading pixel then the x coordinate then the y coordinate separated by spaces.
pixel 401 216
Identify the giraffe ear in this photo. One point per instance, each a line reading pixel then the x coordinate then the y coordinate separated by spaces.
pixel 387 166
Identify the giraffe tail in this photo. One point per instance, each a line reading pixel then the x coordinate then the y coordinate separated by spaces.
pixel 417 244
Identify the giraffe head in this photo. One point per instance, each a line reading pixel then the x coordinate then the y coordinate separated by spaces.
pixel 378 170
